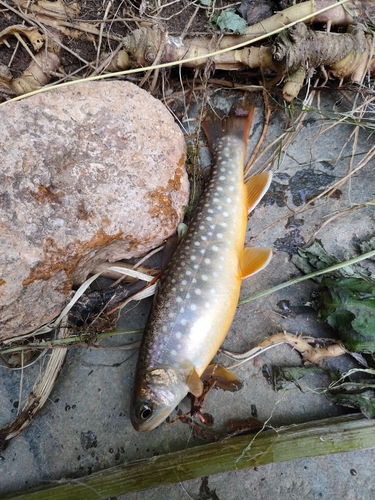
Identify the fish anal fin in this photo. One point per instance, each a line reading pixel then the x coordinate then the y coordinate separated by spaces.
pixel 256 187
pixel 253 260
pixel 224 378
pixel 194 383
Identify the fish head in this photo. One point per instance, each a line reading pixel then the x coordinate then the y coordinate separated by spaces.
pixel 157 392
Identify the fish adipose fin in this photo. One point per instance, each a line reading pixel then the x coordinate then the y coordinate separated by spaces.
pixel 253 260
pixel 194 383
pixel 256 187
pixel 237 125
pixel 224 378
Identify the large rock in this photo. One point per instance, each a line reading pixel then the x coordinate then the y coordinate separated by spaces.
pixel 90 173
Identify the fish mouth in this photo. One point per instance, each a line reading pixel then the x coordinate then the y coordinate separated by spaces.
pixel 148 425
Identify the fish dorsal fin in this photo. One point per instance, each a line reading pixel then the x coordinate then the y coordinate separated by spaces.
pixel 224 378
pixel 194 383
pixel 169 249
pixel 256 187
pixel 237 125
pixel 253 260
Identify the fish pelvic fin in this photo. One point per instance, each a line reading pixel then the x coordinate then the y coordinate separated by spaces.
pixel 194 383
pixel 253 260
pixel 237 124
pixel 256 188
pixel 224 378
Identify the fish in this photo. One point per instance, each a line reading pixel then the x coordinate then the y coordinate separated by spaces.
pixel 200 287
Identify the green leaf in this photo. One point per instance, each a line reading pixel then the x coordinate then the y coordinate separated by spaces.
pixel 230 21
pixel 346 296
pixel 348 306
pixel 285 377
pixel 360 395
pixel 316 257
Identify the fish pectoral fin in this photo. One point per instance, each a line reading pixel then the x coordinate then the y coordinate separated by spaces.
pixel 194 383
pixel 256 187
pixel 253 260
pixel 224 378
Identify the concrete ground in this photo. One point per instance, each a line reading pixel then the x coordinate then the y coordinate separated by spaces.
pixel 85 426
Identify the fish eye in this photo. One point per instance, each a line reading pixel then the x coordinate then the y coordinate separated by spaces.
pixel 145 412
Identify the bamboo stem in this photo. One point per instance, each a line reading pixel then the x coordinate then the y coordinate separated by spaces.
pixel 323 437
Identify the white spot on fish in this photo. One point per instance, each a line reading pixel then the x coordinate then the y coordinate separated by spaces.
pixel 203 238
pixel 231 188
pixel 183 322
pixel 207 305
pixel 209 218
pixel 198 291
pixel 219 188
pixel 164 329
pixel 215 274
pixel 193 307
pixel 184 282
pixel 196 266
pixel 225 214
pixel 203 251
pixel 216 200
pixel 193 257
pixel 178 335
pixel 178 299
pixel 223 224
pixel 196 243
pixel 173 352
pixel 194 280
pixel 219 235
pixel 204 277
pixel 188 295
pixel 228 200
pixel 171 315
pixel 215 248
pixel 213 291
pixel 222 178
pixel 210 211
pixel 188 272
pixel 207 260
pixel 202 228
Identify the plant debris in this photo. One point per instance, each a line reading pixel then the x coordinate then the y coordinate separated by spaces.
pixel 346 297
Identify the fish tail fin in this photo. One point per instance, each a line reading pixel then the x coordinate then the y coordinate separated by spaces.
pixel 237 124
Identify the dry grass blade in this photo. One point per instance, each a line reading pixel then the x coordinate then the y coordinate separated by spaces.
pixel 39 395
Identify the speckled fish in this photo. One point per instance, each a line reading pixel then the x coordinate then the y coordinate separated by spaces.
pixel 200 288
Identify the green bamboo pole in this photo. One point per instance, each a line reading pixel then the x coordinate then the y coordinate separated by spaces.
pixel 323 437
